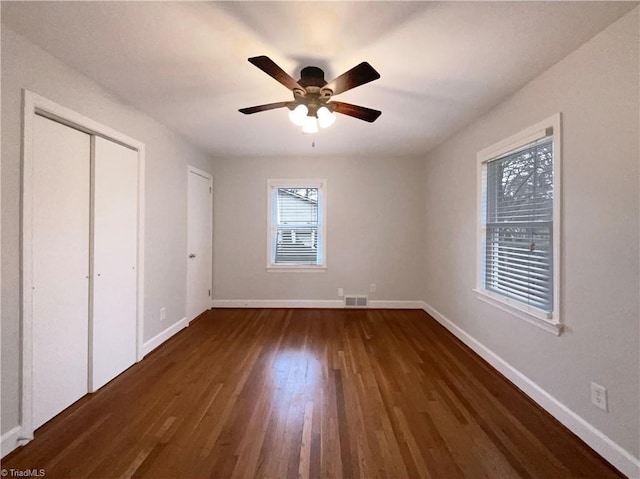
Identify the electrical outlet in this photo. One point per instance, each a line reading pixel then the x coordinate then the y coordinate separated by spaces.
pixel 599 396
pixel 372 288
pixel 163 314
pixel 340 292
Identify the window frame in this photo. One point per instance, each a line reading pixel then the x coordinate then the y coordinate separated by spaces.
pixel 547 321
pixel 321 185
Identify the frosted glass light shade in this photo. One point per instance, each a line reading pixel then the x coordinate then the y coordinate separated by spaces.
pixel 298 115
pixel 326 117
pixel 310 124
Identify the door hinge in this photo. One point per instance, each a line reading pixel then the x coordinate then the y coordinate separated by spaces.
pixel 209 292
pixel 210 190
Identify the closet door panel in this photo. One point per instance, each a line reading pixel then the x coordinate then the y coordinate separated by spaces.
pixel 60 249
pixel 115 260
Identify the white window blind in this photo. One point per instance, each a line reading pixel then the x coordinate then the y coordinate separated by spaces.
pixel 517 207
pixel 296 227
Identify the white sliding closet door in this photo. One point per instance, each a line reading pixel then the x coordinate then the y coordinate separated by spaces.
pixel 60 248
pixel 114 260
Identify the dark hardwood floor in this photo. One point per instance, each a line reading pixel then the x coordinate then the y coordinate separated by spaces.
pixel 288 393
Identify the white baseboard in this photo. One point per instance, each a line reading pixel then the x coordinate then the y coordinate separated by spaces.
pixel 161 337
pixel 275 303
pixel 304 303
pixel 382 304
pixel 9 441
pixel 622 459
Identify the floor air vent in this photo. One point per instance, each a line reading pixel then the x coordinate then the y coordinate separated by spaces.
pixel 356 302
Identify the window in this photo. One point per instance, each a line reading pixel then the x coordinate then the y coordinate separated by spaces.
pixel 519 225
pixel 296 225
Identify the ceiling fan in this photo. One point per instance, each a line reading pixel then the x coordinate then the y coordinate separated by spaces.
pixel 312 103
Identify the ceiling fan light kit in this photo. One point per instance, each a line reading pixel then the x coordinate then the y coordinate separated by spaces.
pixel 312 105
pixel 298 114
pixel 310 125
pixel 326 117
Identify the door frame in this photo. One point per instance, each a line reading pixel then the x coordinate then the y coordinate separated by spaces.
pixel 32 105
pixel 208 176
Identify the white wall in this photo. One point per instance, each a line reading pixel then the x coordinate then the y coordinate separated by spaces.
pixel 596 89
pixel 374 228
pixel 167 155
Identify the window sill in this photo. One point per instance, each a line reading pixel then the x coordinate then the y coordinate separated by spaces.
pixel 531 317
pixel 296 269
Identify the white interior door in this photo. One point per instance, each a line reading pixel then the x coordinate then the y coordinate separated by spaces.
pixel 199 243
pixel 115 227
pixel 60 249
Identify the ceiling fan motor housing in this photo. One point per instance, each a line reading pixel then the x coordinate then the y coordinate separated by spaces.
pixel 312 76
pixel 312 80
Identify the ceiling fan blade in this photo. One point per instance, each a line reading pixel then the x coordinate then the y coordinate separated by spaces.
pixel 359 112
pixel 268 106
pixel 358 75
pixel 268 66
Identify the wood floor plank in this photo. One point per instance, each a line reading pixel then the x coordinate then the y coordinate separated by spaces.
pixel 309 394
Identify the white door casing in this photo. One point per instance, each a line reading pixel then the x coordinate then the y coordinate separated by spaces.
pixel 115 206
pixel 60 290
pixel 199 242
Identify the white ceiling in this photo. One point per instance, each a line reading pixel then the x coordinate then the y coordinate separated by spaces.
pixel 442 64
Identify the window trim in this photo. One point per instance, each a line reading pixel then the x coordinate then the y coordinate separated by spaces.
pixel 321 184
pixel 548 321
